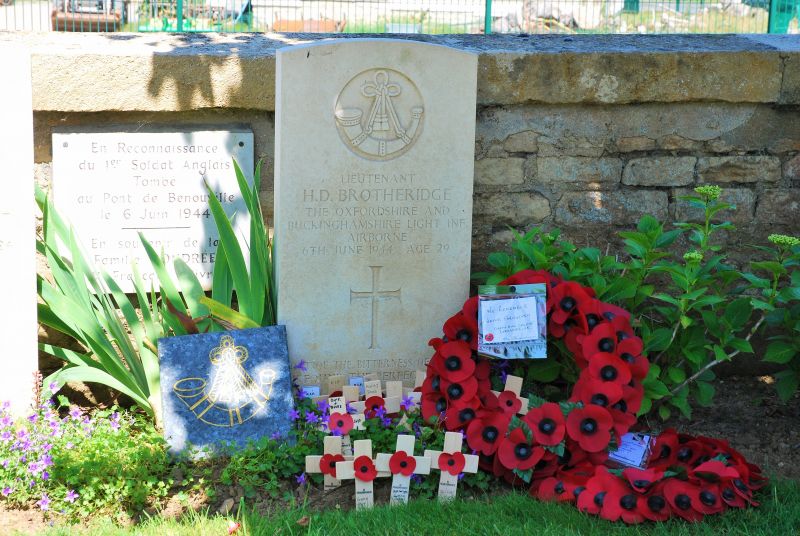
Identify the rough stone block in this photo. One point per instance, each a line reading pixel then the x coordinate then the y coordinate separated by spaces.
pixel 522 142
pixel 659 171
pixel 674 142
pixel 791 169
pixel 635 143
pixel 739 169
pixel 610 208
pixel 743 199
pixel 790 90
pixel 572 169
pixel 779 206
pixel 497 171
pixel 512 208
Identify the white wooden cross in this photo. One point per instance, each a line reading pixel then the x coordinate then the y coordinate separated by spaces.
pixel 514 384
pixel 410 464
pixel 337 404
pixel 332 447
pixel 449 457
pixel 360 464
pixel 392 400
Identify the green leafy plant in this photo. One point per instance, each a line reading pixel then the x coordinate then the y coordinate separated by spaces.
pixel 684 303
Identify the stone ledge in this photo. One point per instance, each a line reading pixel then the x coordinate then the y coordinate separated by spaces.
pixel 179 72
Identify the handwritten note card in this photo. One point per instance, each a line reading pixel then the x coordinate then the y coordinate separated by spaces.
pixel 509 320
pixel 512 321
pixel 633 450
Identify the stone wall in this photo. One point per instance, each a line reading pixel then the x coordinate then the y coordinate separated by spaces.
pixel 583 133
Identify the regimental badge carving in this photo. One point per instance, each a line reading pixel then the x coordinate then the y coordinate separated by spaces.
pixel 230 396
pixel 379 114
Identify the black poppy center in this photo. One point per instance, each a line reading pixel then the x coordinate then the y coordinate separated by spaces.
pixel 599 399
pixel 466 414
pixel 569 324
pixel 332 464
pixel 592 320
pixel 608 373
pixel 568 303
pixel 364 469
pixel 441 405
pixel 728 494
pixel 622 406
pixel 522 451
pixel 685 454
pixel 463 335
pixel 609 315
pixel 656 503
pixel 404 464
pixel 452 363
pixel 588 426
pixel 621 335
pixel 605 345
pixel 565 458
pixel 559 488
pixel 435 382
pixel 509 402
pixel 740 485
pixel 628 502
pixel 683 501
pixel 666 450
pixel 628 358
pixel 641 484
pixel 547 426
pixel 451 462
pixel 577 491
pixel 598 499
pixel 490 434
pixel 339 423
pixel 455 391
pixel 708 498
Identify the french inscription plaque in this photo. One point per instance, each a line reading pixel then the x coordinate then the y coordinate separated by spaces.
pixel 113 185
pixel 373 202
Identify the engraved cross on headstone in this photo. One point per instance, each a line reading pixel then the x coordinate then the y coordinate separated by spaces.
pixel 375 294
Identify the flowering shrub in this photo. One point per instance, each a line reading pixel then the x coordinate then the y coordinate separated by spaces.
pixel 67 462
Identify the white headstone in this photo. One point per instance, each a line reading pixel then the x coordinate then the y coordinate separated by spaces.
pixel 373 201
pixel 111 185
pixel 18 328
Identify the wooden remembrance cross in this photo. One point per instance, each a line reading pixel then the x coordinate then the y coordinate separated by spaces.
pixel 326 464
pixel 362 470
pixel 451 462
pixel 405 464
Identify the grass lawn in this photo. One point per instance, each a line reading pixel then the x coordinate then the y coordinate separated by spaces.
pixel 505 515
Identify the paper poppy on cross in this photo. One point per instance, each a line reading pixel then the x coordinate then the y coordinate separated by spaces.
pixel 402 464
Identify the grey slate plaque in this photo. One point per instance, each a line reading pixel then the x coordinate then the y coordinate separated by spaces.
pixel 228 386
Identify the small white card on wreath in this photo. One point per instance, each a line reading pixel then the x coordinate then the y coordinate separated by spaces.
pixel 512 321
pixel 633 451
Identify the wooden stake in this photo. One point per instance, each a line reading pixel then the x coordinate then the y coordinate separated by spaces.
pixel 514 384
pixel 346 471
pixel 333 446
pixel 449 482
pixel 400 482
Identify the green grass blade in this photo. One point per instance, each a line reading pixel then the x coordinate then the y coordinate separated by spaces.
pixel 225 313
pixel 95 375
pixel 191 288
pixel 69 356
pixel 165 281
pixel 221 283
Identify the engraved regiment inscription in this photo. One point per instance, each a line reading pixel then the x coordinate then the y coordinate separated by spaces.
pixel 363 192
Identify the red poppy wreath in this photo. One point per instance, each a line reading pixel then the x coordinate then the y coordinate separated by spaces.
pixel 559 450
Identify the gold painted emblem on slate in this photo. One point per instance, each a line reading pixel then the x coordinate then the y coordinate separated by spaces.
pixel 379 114
pixel 230 396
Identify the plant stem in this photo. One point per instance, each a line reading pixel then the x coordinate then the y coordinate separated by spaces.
pixel 671 340
pixel 712 364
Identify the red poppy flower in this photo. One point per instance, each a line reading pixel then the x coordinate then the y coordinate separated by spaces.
pixel 623 422
pixel 433 405
pixel 470 309
pixel 683 499
pixel 517 452
pixel 641 480
pixel 483 370
pixel 453 361
pixel 565 299
pixel 592 498
pixel 401 463
pixel 731 496
pixel 364 469
pixel 341 423
pixel 609 368
pixel 547 466
pixel 327 464
pixel 690 452
pixel 372 405
pixel 485 433
pixel 452 463
pixel 432 382
pixel 531 277
pixel 591 390
pixel 336 393
pixel 714 471
pixel 435 342
pixel 664 449
pixel 590 426
pixel 547 424
pixel 509 402
pixel 463 390
pixel 709 500
pixel 655 506
pixel 552 488
pixel 602 339
pixel 630 351
pixel 621 502
pixel 460 328
pixel 460 414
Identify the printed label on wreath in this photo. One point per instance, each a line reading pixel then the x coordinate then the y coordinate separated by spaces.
pixel 633 451
pixel 512 321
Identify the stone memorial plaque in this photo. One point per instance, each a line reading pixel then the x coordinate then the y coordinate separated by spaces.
pixel 111 185
pixel 228 386
pixel 17 233
pixel 373 201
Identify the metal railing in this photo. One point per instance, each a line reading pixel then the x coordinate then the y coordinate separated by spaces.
pixel 404 16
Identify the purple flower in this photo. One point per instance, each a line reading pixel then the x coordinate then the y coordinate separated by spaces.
pixel 45 475
pixel 6 436
pixel 416 479
pixel 311 417
pixel 408 402
pixel 6 491
pixel 44 502
pixel 6 404
pixel 275 436
pixel 380 412
pixel 294 414
pixel 71 496
pixel 74 412
pixel 301 395
pixel 6 420
pixel 336 433
pixel 114 425
pixel 323 406
pixel 33 417
pixel 53 387
pixel 301 479
pixel 301 366
pixel 386 422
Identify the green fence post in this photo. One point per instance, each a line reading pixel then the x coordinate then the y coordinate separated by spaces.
pixel 179 21
pixel 487 17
